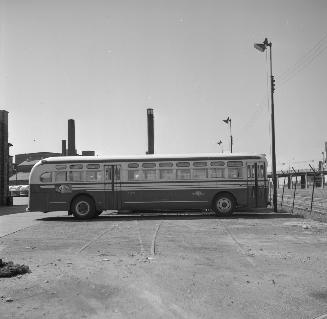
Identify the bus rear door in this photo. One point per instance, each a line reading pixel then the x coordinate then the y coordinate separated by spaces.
pixel 256 184
pixel 112 187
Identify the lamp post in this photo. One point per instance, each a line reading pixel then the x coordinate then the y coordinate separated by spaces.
pixel 229 120
pixel 262 47
pixel 220 144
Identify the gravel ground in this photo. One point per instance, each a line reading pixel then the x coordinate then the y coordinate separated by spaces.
pixel 195 266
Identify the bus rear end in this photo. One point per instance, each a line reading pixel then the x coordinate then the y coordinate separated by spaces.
pixel 38 197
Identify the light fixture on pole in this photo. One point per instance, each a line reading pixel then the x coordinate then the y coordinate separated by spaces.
pixel 262 47
pixel 220 144
pixel 229 120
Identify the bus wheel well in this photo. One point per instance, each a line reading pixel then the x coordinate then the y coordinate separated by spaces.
pixel 78 195
pixel 224 202
pixel 225 193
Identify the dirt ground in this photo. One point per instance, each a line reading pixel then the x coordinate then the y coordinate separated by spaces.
pixel 259 265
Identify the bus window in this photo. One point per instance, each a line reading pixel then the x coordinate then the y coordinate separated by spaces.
pixel 134 175
pixel 60 176
pixel 46 177
pixel 75 176
pixel 76 166
pixel 234 173
pixel 199 164
pixel 200 173
pixel 183 164
pixel 117 173
pixel 234 163
pixel 61 166
pixel 183 173
pixel 93 176
pixel 216 172
pixel 217 163
pixel 149 174
pixel 249 171
pixel 93 166
pixel 166 164
pixel 166 174
pixel 149 165
pixel 133 165
pixel 261 170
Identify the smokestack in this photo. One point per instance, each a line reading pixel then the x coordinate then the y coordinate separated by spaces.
pixel 63 148
pixel 71 138
pixel 150 132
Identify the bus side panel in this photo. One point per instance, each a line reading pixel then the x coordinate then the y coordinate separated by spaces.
pixel 180 196
pixel 161 200
pixel 38 199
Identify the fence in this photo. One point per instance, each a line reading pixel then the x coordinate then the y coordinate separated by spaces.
pixel 311 199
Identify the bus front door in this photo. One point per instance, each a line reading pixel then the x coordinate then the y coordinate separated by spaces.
pixel 256 185
pixel 112 186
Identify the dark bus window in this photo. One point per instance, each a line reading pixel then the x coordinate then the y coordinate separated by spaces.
pixel 93 166
pixel 60 176
pixel 216 172
pixel 183 164
pixel 234 173
pixel 149 174
pixel 166 174
pixel 75 176
pixel 199 164
pixel 61 167
pixel 166 164
pixel 76 166
pixel 149 165
pixel 234 163
pixel 217 163
pixel 200 173
pixel 46 177
pixel 183 173
pixel 135 175
pixel 133 165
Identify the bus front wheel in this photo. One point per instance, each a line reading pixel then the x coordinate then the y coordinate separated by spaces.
pixel 83 207
pixel 223 205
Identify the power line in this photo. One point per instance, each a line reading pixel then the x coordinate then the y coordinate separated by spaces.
pixel 289 74
pixel 304 61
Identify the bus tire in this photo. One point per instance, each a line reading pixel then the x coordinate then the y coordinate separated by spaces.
pixel 223 204
pixel 83 207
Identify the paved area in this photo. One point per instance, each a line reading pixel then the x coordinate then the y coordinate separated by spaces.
pixel 193 266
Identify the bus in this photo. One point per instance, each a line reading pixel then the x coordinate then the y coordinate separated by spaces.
pixel 85 186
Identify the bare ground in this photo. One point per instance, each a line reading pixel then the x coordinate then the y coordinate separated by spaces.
pixel 197 266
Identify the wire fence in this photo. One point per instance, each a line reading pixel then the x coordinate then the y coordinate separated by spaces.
pixel 310 196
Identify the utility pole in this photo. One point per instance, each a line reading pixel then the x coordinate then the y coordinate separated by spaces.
pixel 262 47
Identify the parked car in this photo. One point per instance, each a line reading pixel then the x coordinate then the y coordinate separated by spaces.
pixel 24 190
pixel 15 190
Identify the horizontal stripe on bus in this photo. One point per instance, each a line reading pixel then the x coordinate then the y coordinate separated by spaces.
pixel 168 201
pixel 161 189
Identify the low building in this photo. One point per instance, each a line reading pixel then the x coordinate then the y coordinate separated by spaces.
pixel 23 165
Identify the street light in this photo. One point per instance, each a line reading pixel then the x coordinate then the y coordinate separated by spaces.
pixel 220 144
pixel 262 47
pixel 229 120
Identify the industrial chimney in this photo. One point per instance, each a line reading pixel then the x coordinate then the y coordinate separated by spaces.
pixel 63 148
pixel 71 138
pixel 150 132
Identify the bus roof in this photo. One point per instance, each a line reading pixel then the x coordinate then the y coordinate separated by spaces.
pixel 152 157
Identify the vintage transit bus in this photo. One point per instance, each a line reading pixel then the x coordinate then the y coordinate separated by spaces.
pixel 87 185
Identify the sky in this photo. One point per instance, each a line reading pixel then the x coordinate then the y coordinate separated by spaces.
pixel 103 63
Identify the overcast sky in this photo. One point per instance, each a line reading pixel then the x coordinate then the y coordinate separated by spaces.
pixel 103 63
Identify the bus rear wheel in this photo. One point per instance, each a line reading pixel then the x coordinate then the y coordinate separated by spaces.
pixel 83 207
pixel 223 205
